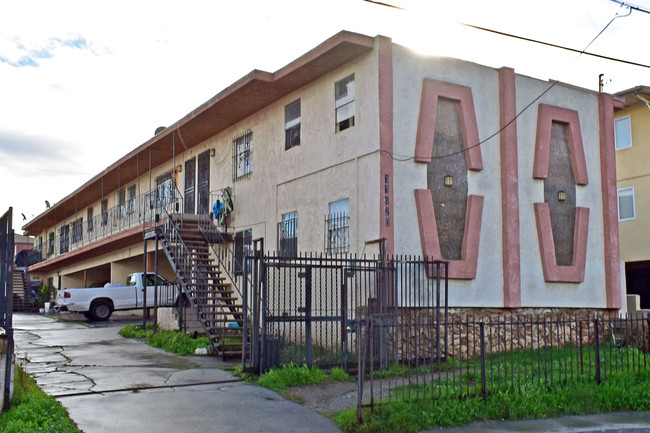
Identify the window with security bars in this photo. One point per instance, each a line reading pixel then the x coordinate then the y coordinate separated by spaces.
pixel 50 244
pixel 344 103
pixel 288 235
pixel 243 249
pixel 77 230
pixel 64 239
pixel 89 215
pixel 242 160
pixel 292 125
pixel 337 228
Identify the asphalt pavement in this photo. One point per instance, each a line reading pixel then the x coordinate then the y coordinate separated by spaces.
pixel 112 384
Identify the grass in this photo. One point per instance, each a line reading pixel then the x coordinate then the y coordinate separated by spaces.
pixel 524 384
pixel 34 411
pixel 279 379
pixel 171 341
pixel 620 392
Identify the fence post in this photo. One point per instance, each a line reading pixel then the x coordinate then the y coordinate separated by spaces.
pixel 483 372
pixel 597 342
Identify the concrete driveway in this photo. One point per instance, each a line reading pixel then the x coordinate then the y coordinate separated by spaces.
pixel 111 384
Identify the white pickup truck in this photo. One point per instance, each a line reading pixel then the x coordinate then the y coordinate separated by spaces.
pixel 98 303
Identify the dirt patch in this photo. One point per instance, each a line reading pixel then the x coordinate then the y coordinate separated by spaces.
pixel 325 398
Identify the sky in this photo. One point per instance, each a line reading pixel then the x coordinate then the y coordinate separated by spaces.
pixel 84 82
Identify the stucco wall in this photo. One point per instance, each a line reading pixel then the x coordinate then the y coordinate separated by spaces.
pixel 487 289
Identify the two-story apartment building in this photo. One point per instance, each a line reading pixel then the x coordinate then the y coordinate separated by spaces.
pixel 633 183
pixel 509 178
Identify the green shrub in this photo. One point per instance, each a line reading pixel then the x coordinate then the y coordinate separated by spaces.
pixel 34 411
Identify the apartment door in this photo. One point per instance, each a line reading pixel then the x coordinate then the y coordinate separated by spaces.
pixel 203 183
pixel 190 181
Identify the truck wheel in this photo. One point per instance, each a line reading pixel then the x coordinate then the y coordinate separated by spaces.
pixel 101 310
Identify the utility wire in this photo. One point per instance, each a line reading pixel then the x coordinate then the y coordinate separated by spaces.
pixel 384 4
pixel 45 170
pixel 600 56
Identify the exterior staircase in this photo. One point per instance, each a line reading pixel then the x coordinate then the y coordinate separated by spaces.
pixel 207 291
pixel 23 301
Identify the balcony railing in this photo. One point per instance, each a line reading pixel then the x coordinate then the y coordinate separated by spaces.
pixel 134 212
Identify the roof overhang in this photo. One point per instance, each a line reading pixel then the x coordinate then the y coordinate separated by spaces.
pixel 243 98
pixel 635 96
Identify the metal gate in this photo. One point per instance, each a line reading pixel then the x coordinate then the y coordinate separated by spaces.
pixel 310 310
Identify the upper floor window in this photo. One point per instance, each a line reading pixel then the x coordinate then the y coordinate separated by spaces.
pixel 242 160
pixel 344 97
pixel 292 125
pixel 337 227
pixel 131 205
pixel 626 208
pixel 77 230
pixel 89 217
pixel 64 239
pixel 104 206
pixel 623 132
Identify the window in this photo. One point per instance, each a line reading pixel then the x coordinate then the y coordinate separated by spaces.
pixel 243 249
pixel 288 235
pixel 89 217
pixel 64 239
pixel 121 201
pixel 164 189
pixel 344 96
pixel 50 244
pixel 104 205
pixel 337 225
pixel 623 132
pixel 242 160
pixel 626 209
pixel 292 125
pixel 77 230
pixel 131 205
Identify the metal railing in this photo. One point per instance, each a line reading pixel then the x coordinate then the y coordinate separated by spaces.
pixel 134 212
pixel 306 309
pixel 488 355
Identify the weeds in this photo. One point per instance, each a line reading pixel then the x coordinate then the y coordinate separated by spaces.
pixel 171 341
pixel 34 411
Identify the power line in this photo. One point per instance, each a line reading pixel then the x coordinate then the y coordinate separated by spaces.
pixel 600 56
pixel 384 4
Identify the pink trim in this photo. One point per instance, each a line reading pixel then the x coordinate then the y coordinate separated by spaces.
pixel 552 271
pixel 386 141
pixel 509 189
pixel 610 205
pixel 546 114
pixel 431 91
pixel 461 269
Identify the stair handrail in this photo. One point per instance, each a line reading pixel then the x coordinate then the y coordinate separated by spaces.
pixel 185 256
pixel 206 226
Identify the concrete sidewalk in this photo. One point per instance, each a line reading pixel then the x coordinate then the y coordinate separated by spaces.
pixel 112 384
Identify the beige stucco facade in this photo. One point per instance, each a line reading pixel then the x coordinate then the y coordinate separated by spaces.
pixel 372 165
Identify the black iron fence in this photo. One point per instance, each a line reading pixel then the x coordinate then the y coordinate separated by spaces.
pixel 487 355
pixel 306 309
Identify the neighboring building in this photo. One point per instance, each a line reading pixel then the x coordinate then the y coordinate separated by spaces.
pixel 633 183
pixel 361 139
